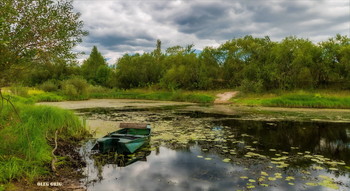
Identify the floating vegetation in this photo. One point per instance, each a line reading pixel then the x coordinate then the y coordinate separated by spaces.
pixel 226 160
pixel 311 184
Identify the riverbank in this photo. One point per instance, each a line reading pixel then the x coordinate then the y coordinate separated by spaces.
pixel 339 99
pixel 297 99
pixel 38 145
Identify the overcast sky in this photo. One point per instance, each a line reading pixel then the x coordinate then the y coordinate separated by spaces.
pixel 117 27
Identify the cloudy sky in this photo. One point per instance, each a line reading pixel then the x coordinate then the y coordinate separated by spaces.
pixel 117 27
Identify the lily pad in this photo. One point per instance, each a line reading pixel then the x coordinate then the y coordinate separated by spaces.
pixel 226 160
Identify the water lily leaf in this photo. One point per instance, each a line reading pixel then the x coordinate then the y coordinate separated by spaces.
pixel 291 183
pixel 264 173
pixel 289 178
pixel 317 168
pixel 334 169
pixel 325 177
pixel 272 150
pixel 243 177
pixel 208 158
pixel 329 184
pixel 199 156
pixel 251 180
pixel 341 163
pixel 265 185
pixel 251 186
pixel 226 160
pixel 271 178
pixel 311 184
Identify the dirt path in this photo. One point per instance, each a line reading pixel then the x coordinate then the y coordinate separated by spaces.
pixel 225 97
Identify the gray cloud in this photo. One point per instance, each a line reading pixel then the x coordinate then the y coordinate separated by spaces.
pixel 117 27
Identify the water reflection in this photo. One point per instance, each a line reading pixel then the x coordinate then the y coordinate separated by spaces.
pixel 194 152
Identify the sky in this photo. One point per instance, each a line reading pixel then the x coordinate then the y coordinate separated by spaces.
pixel 119 27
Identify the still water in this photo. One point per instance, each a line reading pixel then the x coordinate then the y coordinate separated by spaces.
pixel 203 151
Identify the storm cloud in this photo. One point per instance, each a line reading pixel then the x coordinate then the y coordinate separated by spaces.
pixel 117 27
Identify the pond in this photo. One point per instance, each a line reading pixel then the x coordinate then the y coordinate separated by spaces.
pixel 192 150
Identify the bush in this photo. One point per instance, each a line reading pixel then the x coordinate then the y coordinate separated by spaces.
pixel 75 88
pixel 49 86
pixel 252 86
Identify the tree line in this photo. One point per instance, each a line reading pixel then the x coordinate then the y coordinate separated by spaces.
pixel 37 36
pixel 249 63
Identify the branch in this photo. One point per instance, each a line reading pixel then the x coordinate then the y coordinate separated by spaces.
pixel 54 159
pixel 8 101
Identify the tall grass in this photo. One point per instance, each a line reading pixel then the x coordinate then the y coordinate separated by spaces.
pixel 24 148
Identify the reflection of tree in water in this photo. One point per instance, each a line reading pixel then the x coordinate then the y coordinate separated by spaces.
pixel 328 139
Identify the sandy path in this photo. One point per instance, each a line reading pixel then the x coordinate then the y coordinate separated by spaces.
pixel 225 97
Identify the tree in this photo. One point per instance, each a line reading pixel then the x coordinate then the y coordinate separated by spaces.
pixel 36 32
pixel 94 66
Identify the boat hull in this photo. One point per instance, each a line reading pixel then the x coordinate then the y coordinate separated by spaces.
pixel 126 140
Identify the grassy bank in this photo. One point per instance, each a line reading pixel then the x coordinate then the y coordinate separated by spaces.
pixel 27 139
pixel 34 95
pixel 185 96
pixel 301 99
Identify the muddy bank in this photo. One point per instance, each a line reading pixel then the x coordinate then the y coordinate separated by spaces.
pixel 113 103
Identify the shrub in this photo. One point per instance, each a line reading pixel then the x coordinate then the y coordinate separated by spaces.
pixel 75 88
pixel 49 86
pixel 252 86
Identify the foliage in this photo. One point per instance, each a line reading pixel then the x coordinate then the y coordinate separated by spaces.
pixel 35 32
pixel 49 86
pixel 95 69
pixel 251 64
pixel 75 88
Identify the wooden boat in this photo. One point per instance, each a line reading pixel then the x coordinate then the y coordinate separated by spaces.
pixel 128 139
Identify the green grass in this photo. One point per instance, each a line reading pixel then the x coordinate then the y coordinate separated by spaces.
pixel 340 100
pixel 24 149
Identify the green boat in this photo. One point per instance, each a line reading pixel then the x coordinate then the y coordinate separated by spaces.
pixel 128 139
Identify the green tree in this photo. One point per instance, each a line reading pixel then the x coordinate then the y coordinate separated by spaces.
pixel 333 69
pixel 34 32
pixel 293 58
pixel 94 66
